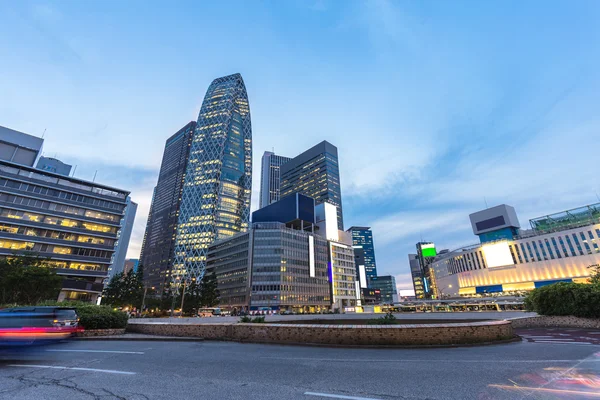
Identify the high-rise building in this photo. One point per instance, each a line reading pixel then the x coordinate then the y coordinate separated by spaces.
pixel 131 265
pixel 215 202
pixel 53 165
pixel 118 258
pixel 315 173
pixel 270 178
pixel 426 253
pixel 416 273
pixel 19 147
pixel 387 285
pixel 362 237
pixel 159 239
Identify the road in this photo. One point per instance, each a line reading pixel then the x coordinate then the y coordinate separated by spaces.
pixel 529 369
pixel 411 316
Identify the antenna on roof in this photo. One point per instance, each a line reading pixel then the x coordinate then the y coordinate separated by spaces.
pixel 74 169
pixel 485 201
pixel 44 133
pixel 94 180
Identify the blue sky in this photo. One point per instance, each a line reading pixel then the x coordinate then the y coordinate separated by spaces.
pixel 433 105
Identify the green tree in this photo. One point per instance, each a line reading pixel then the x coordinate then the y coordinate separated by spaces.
pixel 125 289
pixel 209 293
pixel 27 279
pixel 595 274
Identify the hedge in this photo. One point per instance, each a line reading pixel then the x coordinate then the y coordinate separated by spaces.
pixel 579 300
pixel 95 317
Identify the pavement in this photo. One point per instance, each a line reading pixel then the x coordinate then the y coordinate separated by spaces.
pixel 529 369
pixel 303 317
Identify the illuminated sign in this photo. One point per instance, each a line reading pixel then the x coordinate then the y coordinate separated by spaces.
pixel 362 276
pixel 428 250
pixel 497 255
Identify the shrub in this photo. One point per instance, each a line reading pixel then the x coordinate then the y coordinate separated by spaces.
pixel 256 320
pixel 579 300
pixel 388 319
pixel 94 317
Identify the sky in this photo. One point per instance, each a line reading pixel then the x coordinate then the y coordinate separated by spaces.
pixel 437 108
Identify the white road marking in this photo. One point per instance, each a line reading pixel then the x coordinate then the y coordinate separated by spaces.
pixel 108 371
pixel 98 351
pixel 337 396
pixel 536 337
pixel 556 342
pixel 421 360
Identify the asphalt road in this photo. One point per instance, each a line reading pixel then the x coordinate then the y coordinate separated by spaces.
pixel 410 316
pixel 226 370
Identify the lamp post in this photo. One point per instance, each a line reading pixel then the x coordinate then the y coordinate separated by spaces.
pixel 173 302
pixel 442 291
pixel 183 295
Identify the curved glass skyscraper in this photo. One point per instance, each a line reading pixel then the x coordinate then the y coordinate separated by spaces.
pixel 215 201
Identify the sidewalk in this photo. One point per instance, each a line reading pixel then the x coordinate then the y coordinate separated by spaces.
pixel 142 337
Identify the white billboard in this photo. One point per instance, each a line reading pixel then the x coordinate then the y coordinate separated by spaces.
pixel 497 255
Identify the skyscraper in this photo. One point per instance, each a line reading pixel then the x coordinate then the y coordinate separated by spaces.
pixel 215 201
pixel 426 254
pixel 124 235
pixel 362 237
pixel 159 239
pixel 315 173
pixel 270 178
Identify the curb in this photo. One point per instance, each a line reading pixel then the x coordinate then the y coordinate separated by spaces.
pixel 140 339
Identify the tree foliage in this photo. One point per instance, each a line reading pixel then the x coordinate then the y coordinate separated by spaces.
pixel 28 280
pixel 125 289
pixel 577 299
pixel 209 292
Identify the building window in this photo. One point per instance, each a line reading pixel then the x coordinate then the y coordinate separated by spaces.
pixel 562 244
pixel 555 248
pixel 537 253
pixel 549 249
pixel 518 253
pixel 578 244
pixel 512 253
pixel 570 245
pixel 524 253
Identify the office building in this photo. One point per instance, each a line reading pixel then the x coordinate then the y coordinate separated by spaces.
pixel 315 173
pixel 270 178
pixel 386 284
pixel 131 265
pixel 362 238
pixel 417 275
pixel 275 265
pixel 426 253
pixel 158 247
pixel 19 147
pixel 73 223
pixel 558 248
pixel 123 238
pixel 215 202
pixel 53 165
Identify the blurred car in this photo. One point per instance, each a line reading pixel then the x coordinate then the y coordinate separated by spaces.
pixel 26 326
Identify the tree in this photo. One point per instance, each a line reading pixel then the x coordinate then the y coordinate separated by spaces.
pixel 209 294
pixel 595 274
pixel 27 279
pixel 125 289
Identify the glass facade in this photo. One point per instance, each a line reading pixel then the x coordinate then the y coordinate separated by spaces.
pixel 73 223
pixel 159 239
pixel 315 173
pixel 363 236
pixel 270 178
pixel 215 201
pixel 387 285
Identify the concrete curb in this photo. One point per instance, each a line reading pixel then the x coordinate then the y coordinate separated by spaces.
pixel 140 339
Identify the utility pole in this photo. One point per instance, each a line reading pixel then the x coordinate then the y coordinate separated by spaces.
pixel 182 298
pixel 144 298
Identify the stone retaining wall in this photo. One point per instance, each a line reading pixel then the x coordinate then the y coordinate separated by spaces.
pixel 101 332
pixel 544 321
pixel 363 335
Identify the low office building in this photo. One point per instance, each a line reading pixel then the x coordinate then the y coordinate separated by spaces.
pixel 558 248
pixel 386 285
pixel 279 264
pixel 73 223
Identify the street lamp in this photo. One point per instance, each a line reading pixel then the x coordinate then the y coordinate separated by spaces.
pixel 183 295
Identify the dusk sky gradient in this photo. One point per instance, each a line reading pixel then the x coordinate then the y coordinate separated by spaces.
pixel 434 105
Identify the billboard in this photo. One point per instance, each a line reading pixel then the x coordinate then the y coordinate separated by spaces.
pixel 497 255
pixel 428 250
